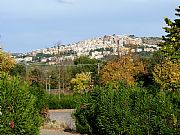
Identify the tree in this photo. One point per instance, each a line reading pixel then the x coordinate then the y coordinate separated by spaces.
pixel 86 64
pixel 6 62
pixel 81 82
pixel 171 45
pixel 150 63
pixel 36 75
pixel 123 69
pixel 167 73
pixel 19 69
pixel 85 60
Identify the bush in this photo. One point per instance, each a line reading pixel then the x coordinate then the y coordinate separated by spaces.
pixel 64 101
pixel 41 103
pixel 18 115
pixel 128 110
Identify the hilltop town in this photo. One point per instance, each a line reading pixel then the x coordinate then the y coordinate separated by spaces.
pixel 97 48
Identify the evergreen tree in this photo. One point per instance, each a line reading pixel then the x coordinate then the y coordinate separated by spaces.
pixel 170 48
pixel 167 73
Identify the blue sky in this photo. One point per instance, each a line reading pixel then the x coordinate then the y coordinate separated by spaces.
pixel 27 25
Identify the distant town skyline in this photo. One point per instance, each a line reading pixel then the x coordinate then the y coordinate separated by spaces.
pixel 33 24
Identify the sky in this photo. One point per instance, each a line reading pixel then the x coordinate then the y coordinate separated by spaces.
pixel 27 25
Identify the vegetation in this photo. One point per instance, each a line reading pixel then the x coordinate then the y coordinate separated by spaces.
pixel 6 62
pixel 39 56
pixel 21 105
pixel 170 48
pixel 64 101
pixel 123 69
pixel 107 99
pixel 17 108
pixel 18 70
pixel 128 110
pixel 167 73
pixel 82 82
pixel 41 102
pixel 86 64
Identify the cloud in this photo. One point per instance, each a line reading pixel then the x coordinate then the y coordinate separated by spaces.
pixel 65 1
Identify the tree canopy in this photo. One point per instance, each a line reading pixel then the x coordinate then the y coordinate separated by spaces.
pixel 123 69
pixel 167 73
pixel 171 45
pixel 6 62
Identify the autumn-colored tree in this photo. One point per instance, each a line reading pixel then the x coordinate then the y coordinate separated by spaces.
pixel 81 82
pixel 167 75
pixel 123 69
pixel 6 62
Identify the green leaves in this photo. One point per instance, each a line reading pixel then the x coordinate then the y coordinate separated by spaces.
pixel 19 115
pixel 167 73
pixel 171 45
pixel 126 110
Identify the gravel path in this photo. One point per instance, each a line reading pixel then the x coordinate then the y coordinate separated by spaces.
pixel 54 132
pixel 63 116
pixel 60 116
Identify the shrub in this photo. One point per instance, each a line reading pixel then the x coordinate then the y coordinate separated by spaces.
pixel 18 115
pixel 128 110
pixel 41 102
pixel 64 101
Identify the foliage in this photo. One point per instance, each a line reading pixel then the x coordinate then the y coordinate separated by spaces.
pixel 125 110
pixel 85 60
pixel 64 101
pixel 81 82
pixel 53 75
pixel 41 102
pixel 123 69
pixel 86 64
pixel 149 63
pixel 171 45
pixel 6 62
pixel 167 75
pixel 17 108
pixel 36 75
pixel 61 75
pixel 39 56
pixel 19 70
